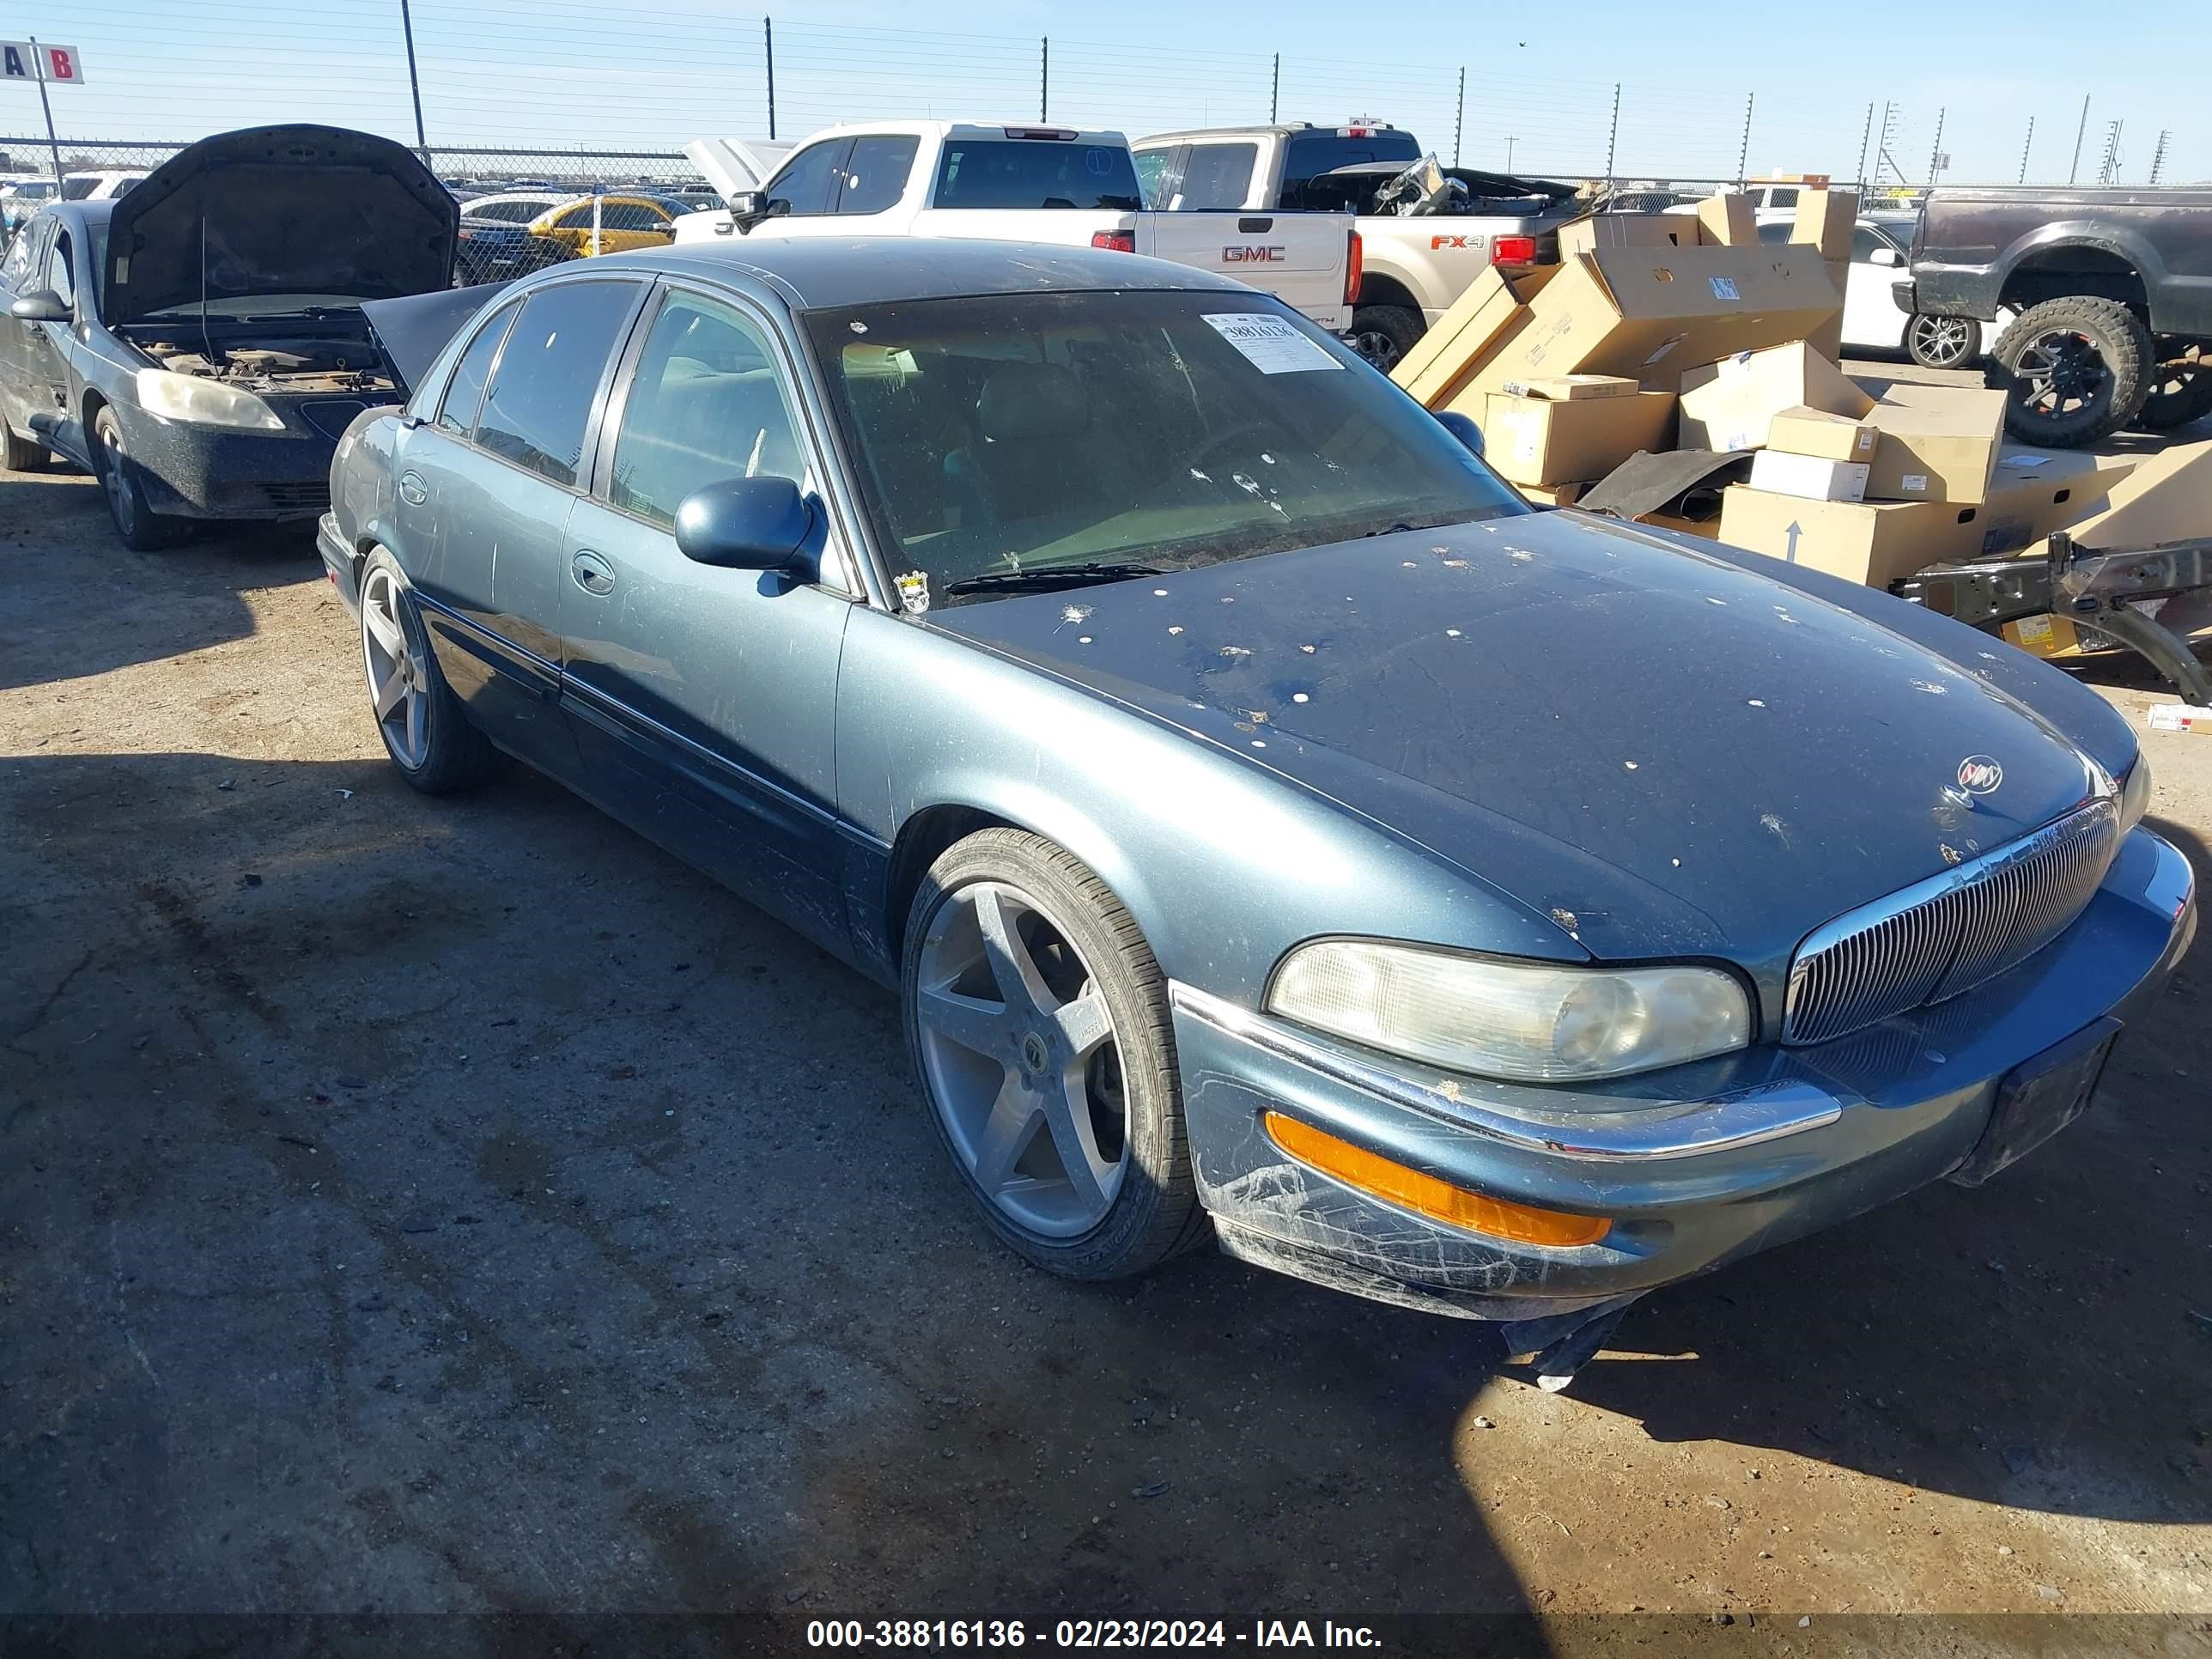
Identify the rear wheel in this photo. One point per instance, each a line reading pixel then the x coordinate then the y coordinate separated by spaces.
pixel 1383 334
pixel 423 726
pixel 1943 341
pixel 143 529
pixel 2076 370
pixel 1038 1023
pixel 19 453
pixel 2181 393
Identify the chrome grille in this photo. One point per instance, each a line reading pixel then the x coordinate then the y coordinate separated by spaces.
pixel 1949 933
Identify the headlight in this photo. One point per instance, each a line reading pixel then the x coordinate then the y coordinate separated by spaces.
pixel 2135 794
pixel 204 402
pixel 1527 1022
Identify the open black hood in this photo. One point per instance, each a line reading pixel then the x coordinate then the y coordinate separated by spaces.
pixel 289 209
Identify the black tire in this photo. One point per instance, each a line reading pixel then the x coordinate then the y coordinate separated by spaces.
pixel 19 453
pixel 2074 370
pixel 1943 341
pixel 2180 394
pixel 1155 1214
pixel 141 529
pixel 1383 334
pixel 454 755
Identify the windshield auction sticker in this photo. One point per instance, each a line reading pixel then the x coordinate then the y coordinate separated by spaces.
pixel 1271 344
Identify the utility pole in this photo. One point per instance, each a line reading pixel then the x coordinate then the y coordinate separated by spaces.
pixel 1743 155
pixel 2073 170
pixel 53 144
pixel 1935 155
pixel 1509 141
pixel 1459 121
pixel 2027 145
pixel 2158 155
pixel 1866 137
pixel 1275 92
pixel 1612 137
pixel 1044 77
pixel 414 82
pixel 2111 162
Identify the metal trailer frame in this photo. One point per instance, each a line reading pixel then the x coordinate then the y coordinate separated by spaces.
pixel 2100 587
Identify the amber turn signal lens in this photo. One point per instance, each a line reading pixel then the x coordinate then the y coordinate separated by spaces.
pixel 1424 1194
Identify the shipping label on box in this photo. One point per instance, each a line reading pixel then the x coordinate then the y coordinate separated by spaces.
pixel 2044 636
pixel 1813 477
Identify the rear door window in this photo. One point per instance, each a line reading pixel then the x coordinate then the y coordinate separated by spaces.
pixel 456 412
pixel 802 188
pixel 1307 156
pixel 1218 175
pixel 875 178
pixel 1035 172
pixel 61 270
pixel 540 402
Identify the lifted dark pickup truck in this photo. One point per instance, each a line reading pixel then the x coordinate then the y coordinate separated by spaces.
pixel 2114 291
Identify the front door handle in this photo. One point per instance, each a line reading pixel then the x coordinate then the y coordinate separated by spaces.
pixel 593 573
pixel 411 490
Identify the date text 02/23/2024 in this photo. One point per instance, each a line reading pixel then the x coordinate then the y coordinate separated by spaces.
pixel 1085 1633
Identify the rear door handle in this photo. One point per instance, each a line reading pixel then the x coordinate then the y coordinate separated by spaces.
pixel 411 490
pixel 593 573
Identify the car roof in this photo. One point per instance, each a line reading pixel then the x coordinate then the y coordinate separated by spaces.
pixel 818 272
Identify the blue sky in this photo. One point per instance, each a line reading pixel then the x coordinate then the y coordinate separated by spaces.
pixel 592 75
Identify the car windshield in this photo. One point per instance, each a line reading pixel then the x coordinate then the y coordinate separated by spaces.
pixel 1022 433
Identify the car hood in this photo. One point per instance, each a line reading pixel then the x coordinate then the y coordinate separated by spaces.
pixel 284 209
pixel 414 329
pixel 1664 752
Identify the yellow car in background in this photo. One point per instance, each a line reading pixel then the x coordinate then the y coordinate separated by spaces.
pixel 623 222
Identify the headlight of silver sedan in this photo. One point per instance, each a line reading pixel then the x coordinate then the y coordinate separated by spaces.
pixel 1522 1021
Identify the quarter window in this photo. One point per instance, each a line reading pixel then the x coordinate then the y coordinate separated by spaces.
pixel 540 401
pixel 465 392
pixel 707 403
pixel 876 177
pixel 61 273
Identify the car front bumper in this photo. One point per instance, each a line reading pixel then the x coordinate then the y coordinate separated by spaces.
pixel 339 563
pixel 190 470
pixel 1739 1154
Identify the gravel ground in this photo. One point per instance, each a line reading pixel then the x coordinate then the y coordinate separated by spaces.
pixel 460 1206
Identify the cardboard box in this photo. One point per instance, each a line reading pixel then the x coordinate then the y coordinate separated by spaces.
pixel 1802 431
pixel 2166 497
pixel 1827 219
pixel 1597 230
pixel 1938 443
pixel 1477 327
pixel 1558 494
pixel 1535 441
pixel 1725 220
pixel 1648 312
pixel 1813 478
pixel 1881 542
pixel 1731 404
pixel 2179 717
pixel 1573 388
pixel 2044 636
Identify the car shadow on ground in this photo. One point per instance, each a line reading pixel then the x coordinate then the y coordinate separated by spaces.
pixel 136 607
pixel 2027 1343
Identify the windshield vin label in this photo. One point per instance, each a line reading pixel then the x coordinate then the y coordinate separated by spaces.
pixel 1270 344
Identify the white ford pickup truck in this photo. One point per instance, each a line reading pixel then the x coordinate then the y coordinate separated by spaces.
pixel 1014 184
pixel 1423 240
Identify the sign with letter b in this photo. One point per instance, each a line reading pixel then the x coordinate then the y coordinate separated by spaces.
pixel 25 60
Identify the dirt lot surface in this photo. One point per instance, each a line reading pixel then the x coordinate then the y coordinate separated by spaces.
pixel 413 1206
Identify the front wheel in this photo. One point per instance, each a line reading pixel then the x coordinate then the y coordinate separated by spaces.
pixel 2180 394
pixel 424 729
pixel 1943 341
pixel 1038 1023
pixel 1383 334
pixel 143 529
pixel 2075 369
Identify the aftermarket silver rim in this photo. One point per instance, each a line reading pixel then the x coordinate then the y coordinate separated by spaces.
pixel 1019 1055
pixel 1942 340
pixel 398 683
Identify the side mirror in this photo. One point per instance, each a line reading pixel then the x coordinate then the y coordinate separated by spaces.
pixel 745 524
pixel 1462 427
pixel 749 207
pixel 40 305
pixel 1882 256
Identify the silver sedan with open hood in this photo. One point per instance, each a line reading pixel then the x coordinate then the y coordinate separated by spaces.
pixel 199 344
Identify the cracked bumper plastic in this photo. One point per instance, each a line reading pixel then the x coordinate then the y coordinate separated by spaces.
pixel 1696 1166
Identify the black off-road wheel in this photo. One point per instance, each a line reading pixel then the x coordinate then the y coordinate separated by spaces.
pixel 2076 370
pixel 2180 392
pixel 143 529
pixel 1038 1024
pixel 1383 334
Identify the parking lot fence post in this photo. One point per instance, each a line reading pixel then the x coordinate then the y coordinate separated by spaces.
pixel 1743 153
pixel 1045 77
pixel 1612 137
pixel 2073 171
pixel 414 80
pixel 1866 137
pixel 1459 121
pixel 53 144
pixel 1275 96
pixel 768 50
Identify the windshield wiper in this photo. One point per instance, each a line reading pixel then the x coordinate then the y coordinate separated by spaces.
pixel 1049 575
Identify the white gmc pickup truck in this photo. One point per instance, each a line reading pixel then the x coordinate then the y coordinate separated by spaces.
pixel 1423 238
pixel 1014 184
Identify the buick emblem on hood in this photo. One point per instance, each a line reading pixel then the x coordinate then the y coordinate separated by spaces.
pixel 1979 775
